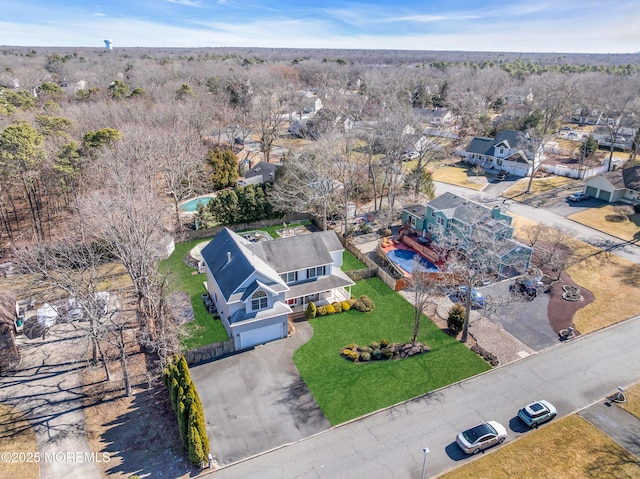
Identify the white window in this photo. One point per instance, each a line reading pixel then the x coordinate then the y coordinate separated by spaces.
pixel 259 301
pixel 413 221
pixel 315 272
pixel 502 150
pixel 440 220
pixel 290 277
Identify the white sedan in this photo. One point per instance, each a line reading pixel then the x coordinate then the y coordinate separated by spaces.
pixel 482 436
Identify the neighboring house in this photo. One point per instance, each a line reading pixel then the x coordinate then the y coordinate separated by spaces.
pixel 307 104
pixel 449 214
pixel 256 286
pixel 508 151
pixel 435 117
pixel 9 353
pixel 263 172
pixel 619 185
pixel 518 96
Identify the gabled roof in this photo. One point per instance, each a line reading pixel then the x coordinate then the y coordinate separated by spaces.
pixel 416 210
pixel 298 252
pixel 453 206
pixel 485 146
pixel 263 170
pixel 232 263
pixel 624 178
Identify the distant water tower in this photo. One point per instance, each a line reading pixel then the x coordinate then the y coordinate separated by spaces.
pixel 107 44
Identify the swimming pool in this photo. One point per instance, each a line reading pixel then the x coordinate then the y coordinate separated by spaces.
pixel 404 259
pixel 191 206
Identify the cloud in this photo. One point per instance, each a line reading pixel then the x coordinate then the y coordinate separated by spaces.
pixel 189 3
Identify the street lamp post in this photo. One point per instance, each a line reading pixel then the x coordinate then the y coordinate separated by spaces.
pixel 424 462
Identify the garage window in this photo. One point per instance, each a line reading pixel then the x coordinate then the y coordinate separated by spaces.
pixel 259 301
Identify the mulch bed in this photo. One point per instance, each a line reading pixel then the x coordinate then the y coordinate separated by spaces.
pixel 561 311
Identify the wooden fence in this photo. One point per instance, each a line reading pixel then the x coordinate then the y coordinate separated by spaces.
pixel 372 266
pixel 209 352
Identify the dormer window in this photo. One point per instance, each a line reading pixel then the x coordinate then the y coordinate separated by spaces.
pixel 259 301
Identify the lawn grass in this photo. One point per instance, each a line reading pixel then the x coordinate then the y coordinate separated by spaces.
pixel 611 279
pixel 570 448
pixel 538 186
pixel 350 262
pixel 346 390
pixel 273 230
pixel 460 175
pixel 607 220
pixel 203 329
pixel 633 400
pixel 17 436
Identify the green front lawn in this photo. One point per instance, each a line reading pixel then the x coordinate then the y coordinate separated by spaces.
pixel 346 390
pixel 203 329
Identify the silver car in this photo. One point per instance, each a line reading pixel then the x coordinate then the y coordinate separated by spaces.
pixel 482 436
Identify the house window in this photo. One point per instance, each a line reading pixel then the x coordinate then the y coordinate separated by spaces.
pixel 292 302
pixel 290 277
pixel 259 301
pixel 501 150
pixel 413 222
pixel 440 220
pixel 433 213
pixel 315 272
pixel 499 161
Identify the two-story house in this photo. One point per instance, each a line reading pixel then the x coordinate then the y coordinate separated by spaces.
pixel 450 217
pixel 256 286
pixel 512 151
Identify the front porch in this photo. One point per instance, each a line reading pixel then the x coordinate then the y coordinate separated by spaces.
pixel 299 305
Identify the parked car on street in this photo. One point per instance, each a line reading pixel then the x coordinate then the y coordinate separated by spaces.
pixel 477 298
pixel 537 412
pixel 579 196
pixel 482 436
pixel 525 287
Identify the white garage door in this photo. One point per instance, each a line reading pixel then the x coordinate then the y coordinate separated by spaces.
pixel 260 335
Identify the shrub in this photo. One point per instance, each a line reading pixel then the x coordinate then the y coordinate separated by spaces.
pixel 384 342
pixel 386 232
pixel 345 306
pixel 352 346
pixel 374 345
pixel 387 353
pixel 359 305
pixel 330 309
pixel 346 351
pixel 311 311
pixel 367 303
pixel 321 311
pixel 455 321
pixel 376 354
pixel 365 356
pixel 367 349
pixel 351 302
pixel 337 307
pixel 354 356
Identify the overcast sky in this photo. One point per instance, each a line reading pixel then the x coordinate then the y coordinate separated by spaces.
pixel 567 26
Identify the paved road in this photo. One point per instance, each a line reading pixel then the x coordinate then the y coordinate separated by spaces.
pixel 388 443
pixel 548 217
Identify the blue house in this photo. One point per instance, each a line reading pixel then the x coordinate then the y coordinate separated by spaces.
pixel 451 216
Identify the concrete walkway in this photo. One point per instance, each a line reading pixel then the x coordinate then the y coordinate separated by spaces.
pixel 615 422
pixel 47 388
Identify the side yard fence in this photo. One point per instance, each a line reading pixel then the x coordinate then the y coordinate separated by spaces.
pixel 372 269
pixel 209 352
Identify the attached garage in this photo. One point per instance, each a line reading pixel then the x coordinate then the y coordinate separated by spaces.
pixel 591 191
pixel 604 195
pixel 253 337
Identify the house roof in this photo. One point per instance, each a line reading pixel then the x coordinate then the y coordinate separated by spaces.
pixel 453 206
pixel 416 210
pixel 298 252
pixel 263 170
pixel 232 263
pixel 624 178
pixel 486 146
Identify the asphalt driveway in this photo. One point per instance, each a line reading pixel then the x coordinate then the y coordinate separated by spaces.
pixel 255 400
pixel 524 319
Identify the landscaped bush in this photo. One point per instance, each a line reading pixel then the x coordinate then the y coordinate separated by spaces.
pixel 455 321
pixel 311 311
pixel 384 343
pixel 337 307
pixel 356 353
pixel 351 302
pixel 367 303
pixel 359 305
pixel 345 306
pixel 386 232
pixel 321 311
pixel 330 309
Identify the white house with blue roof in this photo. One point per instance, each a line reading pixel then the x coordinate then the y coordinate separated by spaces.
pixel 509 151
pixel 256 286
